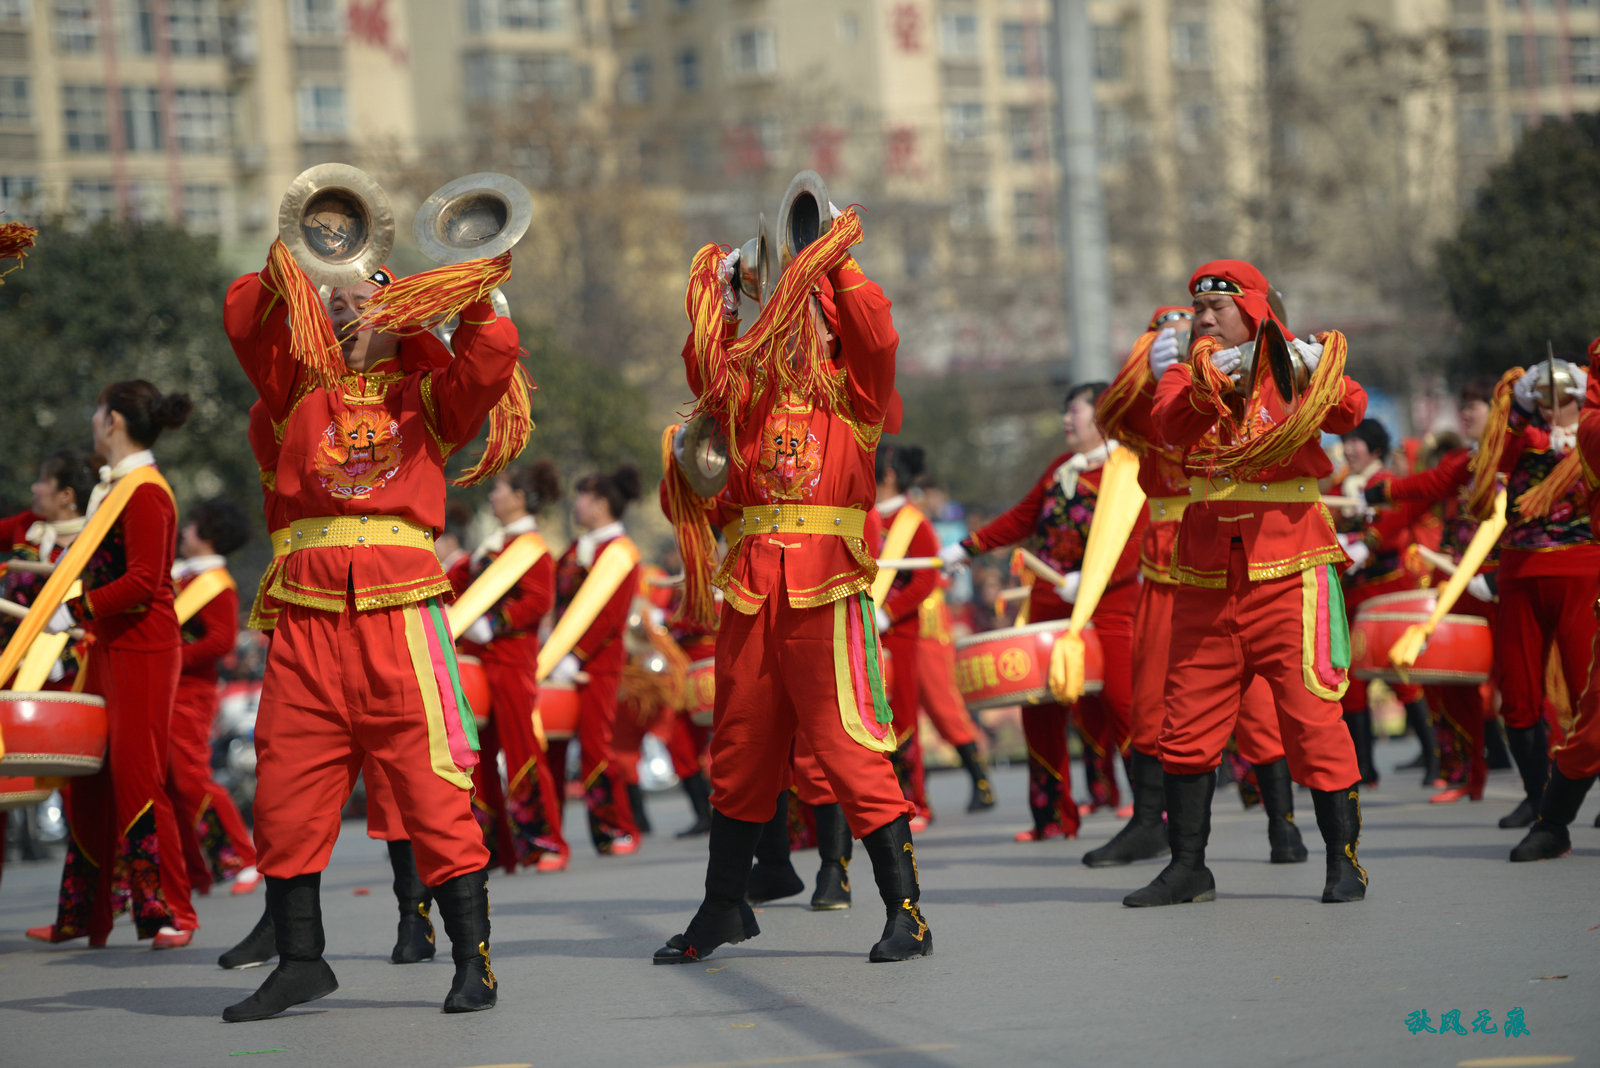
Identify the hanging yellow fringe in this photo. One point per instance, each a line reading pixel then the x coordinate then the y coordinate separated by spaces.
pixel 1127 387
pixel 312 341
pixel 784 341
pixel 1491 447
pixel 420 302
pixel 689 514
pixel 1274 446
pixel 510 426
pixel 1537 502
pixel 15 241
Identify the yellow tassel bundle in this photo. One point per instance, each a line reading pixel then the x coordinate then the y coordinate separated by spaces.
pixel 510 426
pixel 312 341
pixel 422 301
pixel 1491 447
pixel 1130 383
pixel 1275 445
pixel 689 514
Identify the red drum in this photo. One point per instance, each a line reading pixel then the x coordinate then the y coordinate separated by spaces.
pixel 558 709
pixel 1460 653
pixel 1012 666
pixel 21 793
pixel 52 733
pixel 700 691
pixel 475 686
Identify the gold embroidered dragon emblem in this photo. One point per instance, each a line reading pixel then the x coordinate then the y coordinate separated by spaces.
pixel 358 454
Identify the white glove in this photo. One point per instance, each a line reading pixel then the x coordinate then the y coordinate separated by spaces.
pixel 58 671
pixel 1580 384
pixel 730 291
pixel 1523 392
pixel 1479 588
pixel 1359 554
pixel 657 616
pixel 1164 352
pixel 953 556
pixel 1228 361
pixel 566 669
pixel 1068 589
pixel 1310 353
pixel 61 621
pixel 884 622
pixel 481 631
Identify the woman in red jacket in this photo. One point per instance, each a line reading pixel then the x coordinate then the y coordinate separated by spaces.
pixel 506 640
pixel 125 850
pixel 595 663
pixel 1054 519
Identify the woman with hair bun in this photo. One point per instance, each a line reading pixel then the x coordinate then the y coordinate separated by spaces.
pixel 125 849
pixel 595 582
pixel 506 639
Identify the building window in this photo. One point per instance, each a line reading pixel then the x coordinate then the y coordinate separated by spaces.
pixel 201 118
pixel 689 70
pixel 83 115
pixel 1108 53
pixel 147 202
pixel 1024 50
pixel 93 200
pixel 682 5
pixel 14 16
pixel 77 26
pixel 1585 60
pixel 958 37
pixel 16 108
pixel 507 78
pixel 1030 221
pixel 1475 128
pixel 1191 44
pixel 17 192
pixel 635 86
pixel 849 28
pixel 202 208
pixel 753 52
pixel 969 209
pixel 1113 132
pixel 1022 135
pixel 1194 126
pixel 314 18
pixel 1469 57
pixel 142 119
pixel 322 111
pixel 963 122
pixel 490 15
pixel 139 28
pixel 194 28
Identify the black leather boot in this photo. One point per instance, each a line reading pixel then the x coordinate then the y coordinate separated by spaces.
pixel 1421 720
pixel 894 866
pixel 636 802
pixel 1186 878
pixel 295 906
pixel 774 875
pixel 834 846
pixel 1339 820
pixel 1529 753
pixel 464 908
pixel 257 948
pixel 1144 835
pixel 699 791
pixel 724 915
pixel 982 793
pixel 1277 797
pixel 1548 838
pixel 414 940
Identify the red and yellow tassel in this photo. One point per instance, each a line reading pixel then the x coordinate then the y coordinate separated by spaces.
pixel 420 302
pixel 1491 447
pixel 510 426
pixel 1130 383
pixel 15 241
pixel 312 339
pixel 690 515
pixel 1274 446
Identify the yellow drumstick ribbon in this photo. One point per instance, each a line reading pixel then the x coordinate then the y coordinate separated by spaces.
pixel 610 570
pixel 504 572
pixel 1403 654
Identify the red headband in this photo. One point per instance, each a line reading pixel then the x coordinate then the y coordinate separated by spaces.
pixel 1239 280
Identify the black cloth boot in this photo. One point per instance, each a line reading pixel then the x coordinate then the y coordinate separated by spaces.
pixel 982 793
pixel 894 866
pixel 295 906
pixel 774 875
pixel 1421 720
pixel 1144 835
pixel 1277 797
pixel 414 940
pixel 636 802
pixel 1548 837
pixel 699 791
pixel 1186 878
pixel 1360 725
pixel 724 915
pixel 834 846
pixel 1339 820
pixel 257 948
pixel 1532 758
pixel 1496 755
pixel 464 908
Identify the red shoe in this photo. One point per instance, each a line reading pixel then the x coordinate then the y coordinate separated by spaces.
pixel 1125 812
pixel 918 824
pixel 171 938
pixel 51 935
pixel 1033 834
pixel 624 846
pixel 246 881
pixel 551 862
pixel 1450 796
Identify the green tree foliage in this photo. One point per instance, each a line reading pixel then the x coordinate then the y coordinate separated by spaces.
pixel 1524 267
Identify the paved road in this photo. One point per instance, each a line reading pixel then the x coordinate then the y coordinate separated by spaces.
pixel 1036 961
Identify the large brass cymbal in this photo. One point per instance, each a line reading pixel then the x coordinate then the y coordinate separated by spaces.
pixel 476 216
pixel 803 215
pixel 700 448
pixel 337 223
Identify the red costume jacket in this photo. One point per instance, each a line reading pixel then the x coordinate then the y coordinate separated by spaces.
pixel 1560 543
pixel 209 634
pixel 790 451
pixel 1283 538
pixel 1444 487
pixel 374 444
pixel 601 648
pixel 1161 476
pixel 128 583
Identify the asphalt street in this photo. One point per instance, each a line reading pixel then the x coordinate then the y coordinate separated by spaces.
pixel 1035 961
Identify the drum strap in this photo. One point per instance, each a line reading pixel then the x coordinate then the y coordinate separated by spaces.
pixel 202 591
pixel 895 547
pixel 611 568
pixel 504 572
